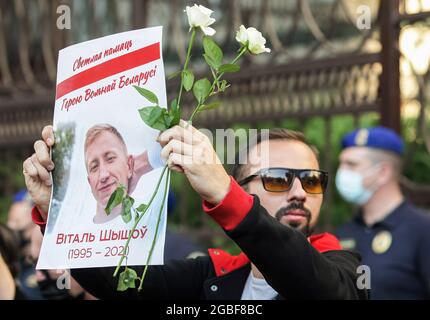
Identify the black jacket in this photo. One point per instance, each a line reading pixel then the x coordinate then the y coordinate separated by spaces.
pixel 289 263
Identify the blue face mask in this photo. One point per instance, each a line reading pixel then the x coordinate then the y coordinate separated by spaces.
pixel 350 186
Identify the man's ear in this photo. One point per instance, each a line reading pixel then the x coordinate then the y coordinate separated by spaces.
pixel 386 173
pixel 130 162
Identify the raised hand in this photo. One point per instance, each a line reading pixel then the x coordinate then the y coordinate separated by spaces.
pixel 36 170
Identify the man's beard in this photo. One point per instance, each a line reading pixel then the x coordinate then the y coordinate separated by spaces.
pixel 306 229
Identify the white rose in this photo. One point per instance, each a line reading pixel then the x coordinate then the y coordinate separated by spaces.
pixel 200 17
pixel 252 39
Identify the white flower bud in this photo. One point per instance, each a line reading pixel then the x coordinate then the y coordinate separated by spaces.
pixel 200 17
pixel 252 39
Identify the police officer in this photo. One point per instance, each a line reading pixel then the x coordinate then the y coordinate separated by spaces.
pixel 392 235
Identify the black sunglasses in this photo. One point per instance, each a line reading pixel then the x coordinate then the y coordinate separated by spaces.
pixel 281 179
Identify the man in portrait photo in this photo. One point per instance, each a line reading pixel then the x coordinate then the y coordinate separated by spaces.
pixel 109 165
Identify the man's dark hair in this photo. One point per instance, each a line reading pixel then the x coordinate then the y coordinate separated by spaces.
pixel 238 170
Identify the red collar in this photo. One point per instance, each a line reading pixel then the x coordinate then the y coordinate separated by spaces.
pixel 224 262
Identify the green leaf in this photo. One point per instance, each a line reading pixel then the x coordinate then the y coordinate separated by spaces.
pixel 142 207
pixel 187 79
pixel 229 68
pixel 174 105
pixel 175 113
pixel 201 89
pixel 154 117
pixel 115 199
pixel 175 119
pixel 174 74
pixel 147 94
pixel 127 279
pixel 213 51
pixel 224 85
pixel 209 106
pixel 210 62
pixel 168 118
pixel 127 204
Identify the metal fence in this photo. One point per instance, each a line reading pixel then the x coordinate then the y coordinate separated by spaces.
pixel 322 65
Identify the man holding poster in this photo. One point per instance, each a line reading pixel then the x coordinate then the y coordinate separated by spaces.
pixel 280 259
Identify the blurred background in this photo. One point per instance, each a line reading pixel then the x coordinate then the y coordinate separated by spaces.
pixel 335 65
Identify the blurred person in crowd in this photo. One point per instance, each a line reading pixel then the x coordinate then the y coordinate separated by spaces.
pixel 10 287
pixel 7 283
pixel 272 222
pixel 19 221
pixel 392 235
pixel 55 284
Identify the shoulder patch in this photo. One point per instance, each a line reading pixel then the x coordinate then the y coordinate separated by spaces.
pixel 325 242
pixel 224 262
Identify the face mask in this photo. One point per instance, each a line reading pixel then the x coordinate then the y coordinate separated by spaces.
pixel 351 188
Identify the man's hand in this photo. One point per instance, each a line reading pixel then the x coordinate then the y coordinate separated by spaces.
pixel 36 170
pixel 189 151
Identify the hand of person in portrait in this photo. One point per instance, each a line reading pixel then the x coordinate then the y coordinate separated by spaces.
pixel 189 151
pixel 36 170
pixel 144 163
pixel 141 166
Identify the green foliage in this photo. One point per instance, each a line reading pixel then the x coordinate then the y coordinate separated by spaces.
pixel 210 106
pixel 154 117
pixel 187 79
pixel 11 180
pixel 157 117
pixel 149 95
pixel 127 279
pixel 127 204
pixel 224 85
pixel 174 75
pixel 229 68
pixel 419 169
pixel 160 118
pixel 201 89
pixel 142 208
pixel 115 199
pixel 213 53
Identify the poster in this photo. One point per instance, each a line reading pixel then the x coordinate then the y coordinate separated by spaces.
pixel 101 142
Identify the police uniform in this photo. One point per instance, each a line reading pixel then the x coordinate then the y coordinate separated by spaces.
pixel 397 249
